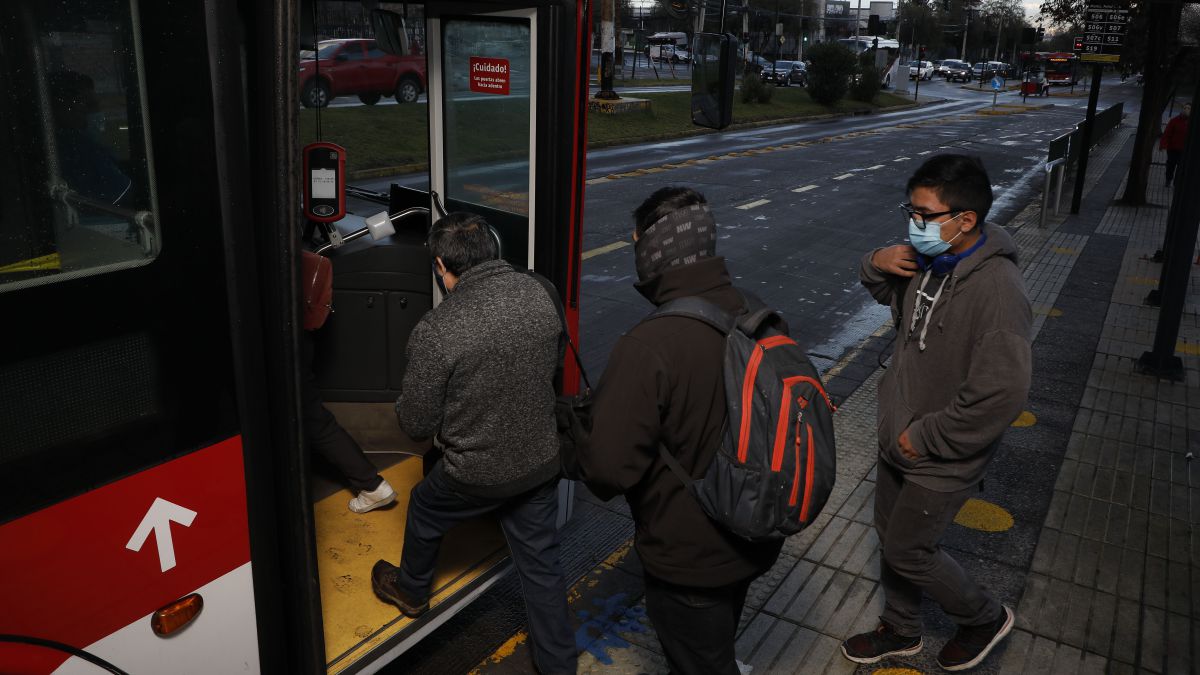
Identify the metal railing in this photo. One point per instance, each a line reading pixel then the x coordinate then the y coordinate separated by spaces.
pixel 1063 153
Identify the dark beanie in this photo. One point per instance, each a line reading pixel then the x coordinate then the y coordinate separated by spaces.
pixel 681 237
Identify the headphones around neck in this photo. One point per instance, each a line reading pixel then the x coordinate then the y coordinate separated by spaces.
pixel 945 263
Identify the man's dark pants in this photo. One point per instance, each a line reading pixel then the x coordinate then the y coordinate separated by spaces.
pixel 1173 157
pixel 324 434
pixel 696 626
pixel 528 523
pixel 910 521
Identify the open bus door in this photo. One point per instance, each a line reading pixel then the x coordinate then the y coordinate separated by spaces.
pixel 504 142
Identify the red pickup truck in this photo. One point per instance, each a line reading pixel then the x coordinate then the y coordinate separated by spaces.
pixel 358 66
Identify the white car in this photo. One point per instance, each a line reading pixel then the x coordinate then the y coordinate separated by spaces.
pixel 920 69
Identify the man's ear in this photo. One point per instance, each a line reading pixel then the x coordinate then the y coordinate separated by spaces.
pixel 441 266
pixel 968 221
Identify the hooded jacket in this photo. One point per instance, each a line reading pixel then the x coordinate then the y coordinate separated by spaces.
pixel 481 376
pixel 1175 135
pixel 956 396
pixel 664 384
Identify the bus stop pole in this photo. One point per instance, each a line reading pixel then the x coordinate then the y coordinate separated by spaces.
pixel 1085 143
pixel 1183 220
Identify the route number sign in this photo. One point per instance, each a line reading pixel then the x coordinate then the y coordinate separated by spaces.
pixel 1104 33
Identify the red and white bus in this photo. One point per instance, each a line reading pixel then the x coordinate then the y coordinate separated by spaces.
pixel 1060 67
pixel 158 511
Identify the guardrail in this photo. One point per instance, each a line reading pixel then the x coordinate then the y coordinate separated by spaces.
pixel 1063 153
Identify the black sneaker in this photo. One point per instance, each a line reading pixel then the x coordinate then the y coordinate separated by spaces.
pixel 383 582
pixel 878 644
pixel 971 644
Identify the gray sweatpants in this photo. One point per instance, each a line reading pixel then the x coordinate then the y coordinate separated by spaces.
pixel 910 521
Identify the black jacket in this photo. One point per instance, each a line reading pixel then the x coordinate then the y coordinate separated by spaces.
pixel 481 376
pixel 664 384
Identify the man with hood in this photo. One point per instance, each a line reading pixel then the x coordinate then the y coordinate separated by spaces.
pixel 663 385
pixel 959 376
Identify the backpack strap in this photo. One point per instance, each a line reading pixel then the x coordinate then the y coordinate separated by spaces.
pixel 565 336
pixel 757 314
pixel 697 308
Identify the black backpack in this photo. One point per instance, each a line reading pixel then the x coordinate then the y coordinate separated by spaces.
pixel 777 462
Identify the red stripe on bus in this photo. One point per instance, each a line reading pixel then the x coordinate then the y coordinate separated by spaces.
pixel 69 576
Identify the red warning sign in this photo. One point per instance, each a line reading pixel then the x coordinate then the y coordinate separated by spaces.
pixel 489 76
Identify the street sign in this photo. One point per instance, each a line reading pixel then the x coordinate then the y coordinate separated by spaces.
pixel 1104 33
pixel 997 83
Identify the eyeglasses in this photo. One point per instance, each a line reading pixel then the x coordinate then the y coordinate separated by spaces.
pixel 923 219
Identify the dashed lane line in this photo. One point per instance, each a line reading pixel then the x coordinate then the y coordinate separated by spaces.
pixel 753 205
pixel 806 188
pixel 844 176
pixel 601 250
pixel 902 159
pixel 877 166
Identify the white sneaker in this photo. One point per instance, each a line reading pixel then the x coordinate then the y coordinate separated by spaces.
pixel 367 501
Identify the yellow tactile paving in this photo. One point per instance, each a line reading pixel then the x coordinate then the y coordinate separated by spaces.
pixel 1025 419
pixel 348 544
pixel 984 516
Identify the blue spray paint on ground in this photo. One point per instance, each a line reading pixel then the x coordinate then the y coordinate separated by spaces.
pixel 598 631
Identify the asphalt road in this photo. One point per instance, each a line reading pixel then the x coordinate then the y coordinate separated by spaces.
pixel 797 206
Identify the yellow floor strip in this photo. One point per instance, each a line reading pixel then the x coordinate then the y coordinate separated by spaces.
pixel 1025 419
pixel 1186 348
pixel 601 250
pixel 348 544
pixel 983 516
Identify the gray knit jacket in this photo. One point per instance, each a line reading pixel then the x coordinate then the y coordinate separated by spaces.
pixel 481 377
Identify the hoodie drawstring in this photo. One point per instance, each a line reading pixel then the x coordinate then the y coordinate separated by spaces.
pixel 928 311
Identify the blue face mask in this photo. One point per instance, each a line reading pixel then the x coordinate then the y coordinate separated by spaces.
pixel 929 240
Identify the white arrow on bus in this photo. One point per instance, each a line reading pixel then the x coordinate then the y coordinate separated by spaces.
pixel 158 519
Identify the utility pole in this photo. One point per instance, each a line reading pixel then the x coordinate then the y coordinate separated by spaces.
pixel 999 32
pixel 606 51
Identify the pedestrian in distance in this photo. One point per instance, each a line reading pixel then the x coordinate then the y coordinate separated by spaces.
pixel 1043 84
pixel 1173 139
pixel 959 376
pixel 480 379
pixel 663 385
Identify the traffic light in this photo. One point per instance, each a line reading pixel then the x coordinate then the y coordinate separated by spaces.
pixel 677 9
pixel 873 26
pixel 1078 44
pixel 1041 34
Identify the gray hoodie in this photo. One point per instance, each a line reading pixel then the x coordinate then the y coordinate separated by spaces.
pixel 958 394
pixel 481 376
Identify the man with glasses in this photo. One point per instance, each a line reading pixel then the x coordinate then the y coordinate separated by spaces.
pixel 959 376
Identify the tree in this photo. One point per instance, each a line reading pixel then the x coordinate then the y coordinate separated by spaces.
pixel 829 75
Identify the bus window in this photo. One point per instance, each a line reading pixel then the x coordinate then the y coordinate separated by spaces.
pixel 82 198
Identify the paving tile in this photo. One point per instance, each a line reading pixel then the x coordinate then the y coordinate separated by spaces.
pixel 1087 562
pixel 845 544
pixel 1067 660
pixel 858 559
pixel 823 609
pixel 1043 555
pixel 1108 571
pixel 1180 534
pixel 803 601
pixel 1137 529
pixel 1013 662
pixel 1030 607
pixel 787 590
pixel 1099 630
pixel 1126 631
pixel 1097 520
pixel 828 537
pixel 1075 623
pixel 1076 516
pixel 1178 651
pixel 845 616
pixel 1158 537
pixel 1041 657
pixel 1154 591
pixel 1153 634
pixel 1063 566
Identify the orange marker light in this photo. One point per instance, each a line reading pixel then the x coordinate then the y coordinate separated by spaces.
pixel 172 618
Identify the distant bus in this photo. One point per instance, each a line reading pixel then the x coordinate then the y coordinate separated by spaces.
pixel 668 46
pixel 1060 67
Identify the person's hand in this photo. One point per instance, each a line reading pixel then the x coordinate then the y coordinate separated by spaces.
pixel 906 446
pixel 900 260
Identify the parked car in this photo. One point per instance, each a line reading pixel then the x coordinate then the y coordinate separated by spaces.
pixel 920 69
pixel 359 67
pixel 954 70
pixel 784 73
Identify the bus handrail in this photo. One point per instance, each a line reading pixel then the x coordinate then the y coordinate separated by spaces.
pixel 64 194
pixel 373 229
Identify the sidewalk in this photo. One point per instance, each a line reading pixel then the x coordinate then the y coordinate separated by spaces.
pixel 1086 521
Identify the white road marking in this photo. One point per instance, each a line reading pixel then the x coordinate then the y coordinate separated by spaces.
pixel 806 188
pixel 844 176
pixel 877 166
pixel 925 153
pixel 753 205
pixel 901 159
